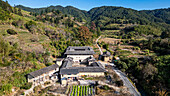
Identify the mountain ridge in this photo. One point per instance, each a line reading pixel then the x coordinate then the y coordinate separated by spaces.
pixel 113 12
pixel 93 7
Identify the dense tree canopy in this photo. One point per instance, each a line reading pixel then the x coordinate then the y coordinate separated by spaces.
pixel 84 34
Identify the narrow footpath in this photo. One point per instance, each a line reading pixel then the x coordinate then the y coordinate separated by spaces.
pixel 101 53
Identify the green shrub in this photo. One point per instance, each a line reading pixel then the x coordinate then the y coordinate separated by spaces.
pixel 27 86
pixel 11 31
pixel 4 15
pixel 18 23
pixel 119 83
pixel 7 88
pixel 23 93
pixel 31 26
pixel 146 51
pixel 48 64
pixel 37 88
pixel 105 87
pixel 19 79
pixel 136 48
pixel 14 23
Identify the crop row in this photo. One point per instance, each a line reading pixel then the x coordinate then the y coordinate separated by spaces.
pixel 82 91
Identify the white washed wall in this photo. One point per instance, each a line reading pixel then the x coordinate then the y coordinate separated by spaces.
pixel 77 58
pixel 42 76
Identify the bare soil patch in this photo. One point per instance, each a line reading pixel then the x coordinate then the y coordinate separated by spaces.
pixel 110 40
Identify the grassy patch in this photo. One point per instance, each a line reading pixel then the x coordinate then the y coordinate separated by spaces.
pixel 23 32
pixel 89 78
pixel 43 38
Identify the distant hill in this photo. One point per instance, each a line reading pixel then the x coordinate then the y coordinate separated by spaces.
pixel 122 13
pixel 163 14
pixel 111 12
pixel 80 14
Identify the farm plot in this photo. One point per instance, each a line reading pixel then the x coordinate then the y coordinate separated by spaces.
pixel 78 90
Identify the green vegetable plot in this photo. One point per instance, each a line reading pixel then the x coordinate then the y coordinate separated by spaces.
pixel 78 90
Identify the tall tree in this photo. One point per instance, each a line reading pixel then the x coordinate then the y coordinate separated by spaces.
pixel 84 34
pixel 98 31
pixel 93 26
pixel 15 10
pixel 150 43
pixel 19 12
pixel 42 12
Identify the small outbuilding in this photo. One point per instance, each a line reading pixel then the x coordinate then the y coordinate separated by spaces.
pixel 106 56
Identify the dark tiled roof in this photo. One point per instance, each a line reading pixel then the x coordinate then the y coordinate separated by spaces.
pixel 97 64
pixel 83 50
pixel 100 65
pixel 43 70
pixel 91 69
pixel 107 53
pixel 67 62
pixel 69 71
pixel 76 70
pixel 94 64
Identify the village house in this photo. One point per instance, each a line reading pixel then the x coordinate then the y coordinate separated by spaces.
pixel 70 73
pixel 47 74
pixel 79 54
pixel 106 56
pixel 79 62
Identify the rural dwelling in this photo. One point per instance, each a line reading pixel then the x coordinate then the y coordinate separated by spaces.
pixel 47 74
pixel 71 72
pixel 106 56
pixel 79 54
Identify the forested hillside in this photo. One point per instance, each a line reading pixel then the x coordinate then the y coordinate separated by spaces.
pixel 102 16
pixel 81 15
pixel 160 13
pixel 142 17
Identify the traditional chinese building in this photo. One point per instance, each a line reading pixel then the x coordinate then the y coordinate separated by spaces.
pixel 47 74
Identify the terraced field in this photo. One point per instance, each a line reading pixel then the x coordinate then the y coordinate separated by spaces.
pixel 78 90
pixel 110 40
pixel 110 33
